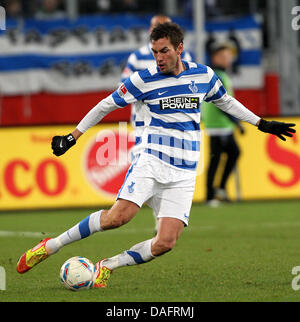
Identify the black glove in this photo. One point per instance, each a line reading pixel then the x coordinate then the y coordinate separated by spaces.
pixel 241 128
pixel 277 128
pixel 61 144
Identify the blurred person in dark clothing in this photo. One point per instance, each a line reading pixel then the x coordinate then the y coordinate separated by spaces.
pixel 13 9
pixel 220 127
pixel 50 9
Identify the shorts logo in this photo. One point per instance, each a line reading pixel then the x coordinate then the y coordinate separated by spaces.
pixel 176 103
pixel 122 90
pixel 130 187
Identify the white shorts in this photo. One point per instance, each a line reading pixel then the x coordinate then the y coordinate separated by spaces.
pixel 167 199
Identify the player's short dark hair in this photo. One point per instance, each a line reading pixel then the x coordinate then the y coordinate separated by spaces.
pixel 168 30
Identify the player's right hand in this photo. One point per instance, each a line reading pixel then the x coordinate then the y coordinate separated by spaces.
pixel 61 144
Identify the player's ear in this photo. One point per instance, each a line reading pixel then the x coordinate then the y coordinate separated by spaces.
pixel 180 49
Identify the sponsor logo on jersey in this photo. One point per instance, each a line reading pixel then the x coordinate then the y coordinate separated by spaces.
pixel 178 103
pixel 122 90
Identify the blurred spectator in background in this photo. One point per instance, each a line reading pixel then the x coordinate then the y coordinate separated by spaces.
pixel 118 5
pixel 129 5
pixel 212 9
pixel 104 5
pixel 121 6
pixel 14 9
pixel 220 127
pixel 50 9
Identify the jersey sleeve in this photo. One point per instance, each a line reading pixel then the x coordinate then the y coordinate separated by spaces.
pixel 216 88
pixel 130 67
pixel 97 113
pixel 217 94
pixel 186 56
pixel 130 91
pixel 230 105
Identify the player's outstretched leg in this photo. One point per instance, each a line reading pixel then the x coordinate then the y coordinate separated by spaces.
pixel 120 213
pixel 49 246
pixel 169 230
pixel 138 254
pixel 32 257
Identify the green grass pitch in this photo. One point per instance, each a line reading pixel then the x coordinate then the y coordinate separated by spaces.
pixel 238 252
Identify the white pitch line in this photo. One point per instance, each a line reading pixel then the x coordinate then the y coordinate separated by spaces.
pixel 151 230
pixel 30 234
pixel 132 230
pixel 35 234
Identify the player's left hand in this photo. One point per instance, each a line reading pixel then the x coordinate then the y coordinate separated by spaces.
pixel 277 128
pixel 61 144
pixel 241 128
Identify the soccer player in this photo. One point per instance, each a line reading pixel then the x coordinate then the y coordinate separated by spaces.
pixel 163 173
pixel 139 60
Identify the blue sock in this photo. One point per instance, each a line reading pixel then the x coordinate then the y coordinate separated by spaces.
pixel 137 254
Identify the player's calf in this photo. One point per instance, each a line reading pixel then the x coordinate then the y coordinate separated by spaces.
pixel 169 230
pixel 162 245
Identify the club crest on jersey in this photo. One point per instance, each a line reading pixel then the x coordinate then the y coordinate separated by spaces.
pixel 122 90
pixel 193 87
pixel 181 102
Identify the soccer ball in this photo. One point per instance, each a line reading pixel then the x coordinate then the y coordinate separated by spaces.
pixel 78 273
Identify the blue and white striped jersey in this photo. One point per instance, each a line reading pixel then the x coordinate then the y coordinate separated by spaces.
pixel 139 60
pixel 172 111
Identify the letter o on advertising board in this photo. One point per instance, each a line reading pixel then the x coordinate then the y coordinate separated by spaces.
pixel 41 177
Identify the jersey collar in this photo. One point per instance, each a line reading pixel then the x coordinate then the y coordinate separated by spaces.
pixel 187 67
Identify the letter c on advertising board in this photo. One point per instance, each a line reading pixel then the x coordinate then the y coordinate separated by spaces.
pixel 17 168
